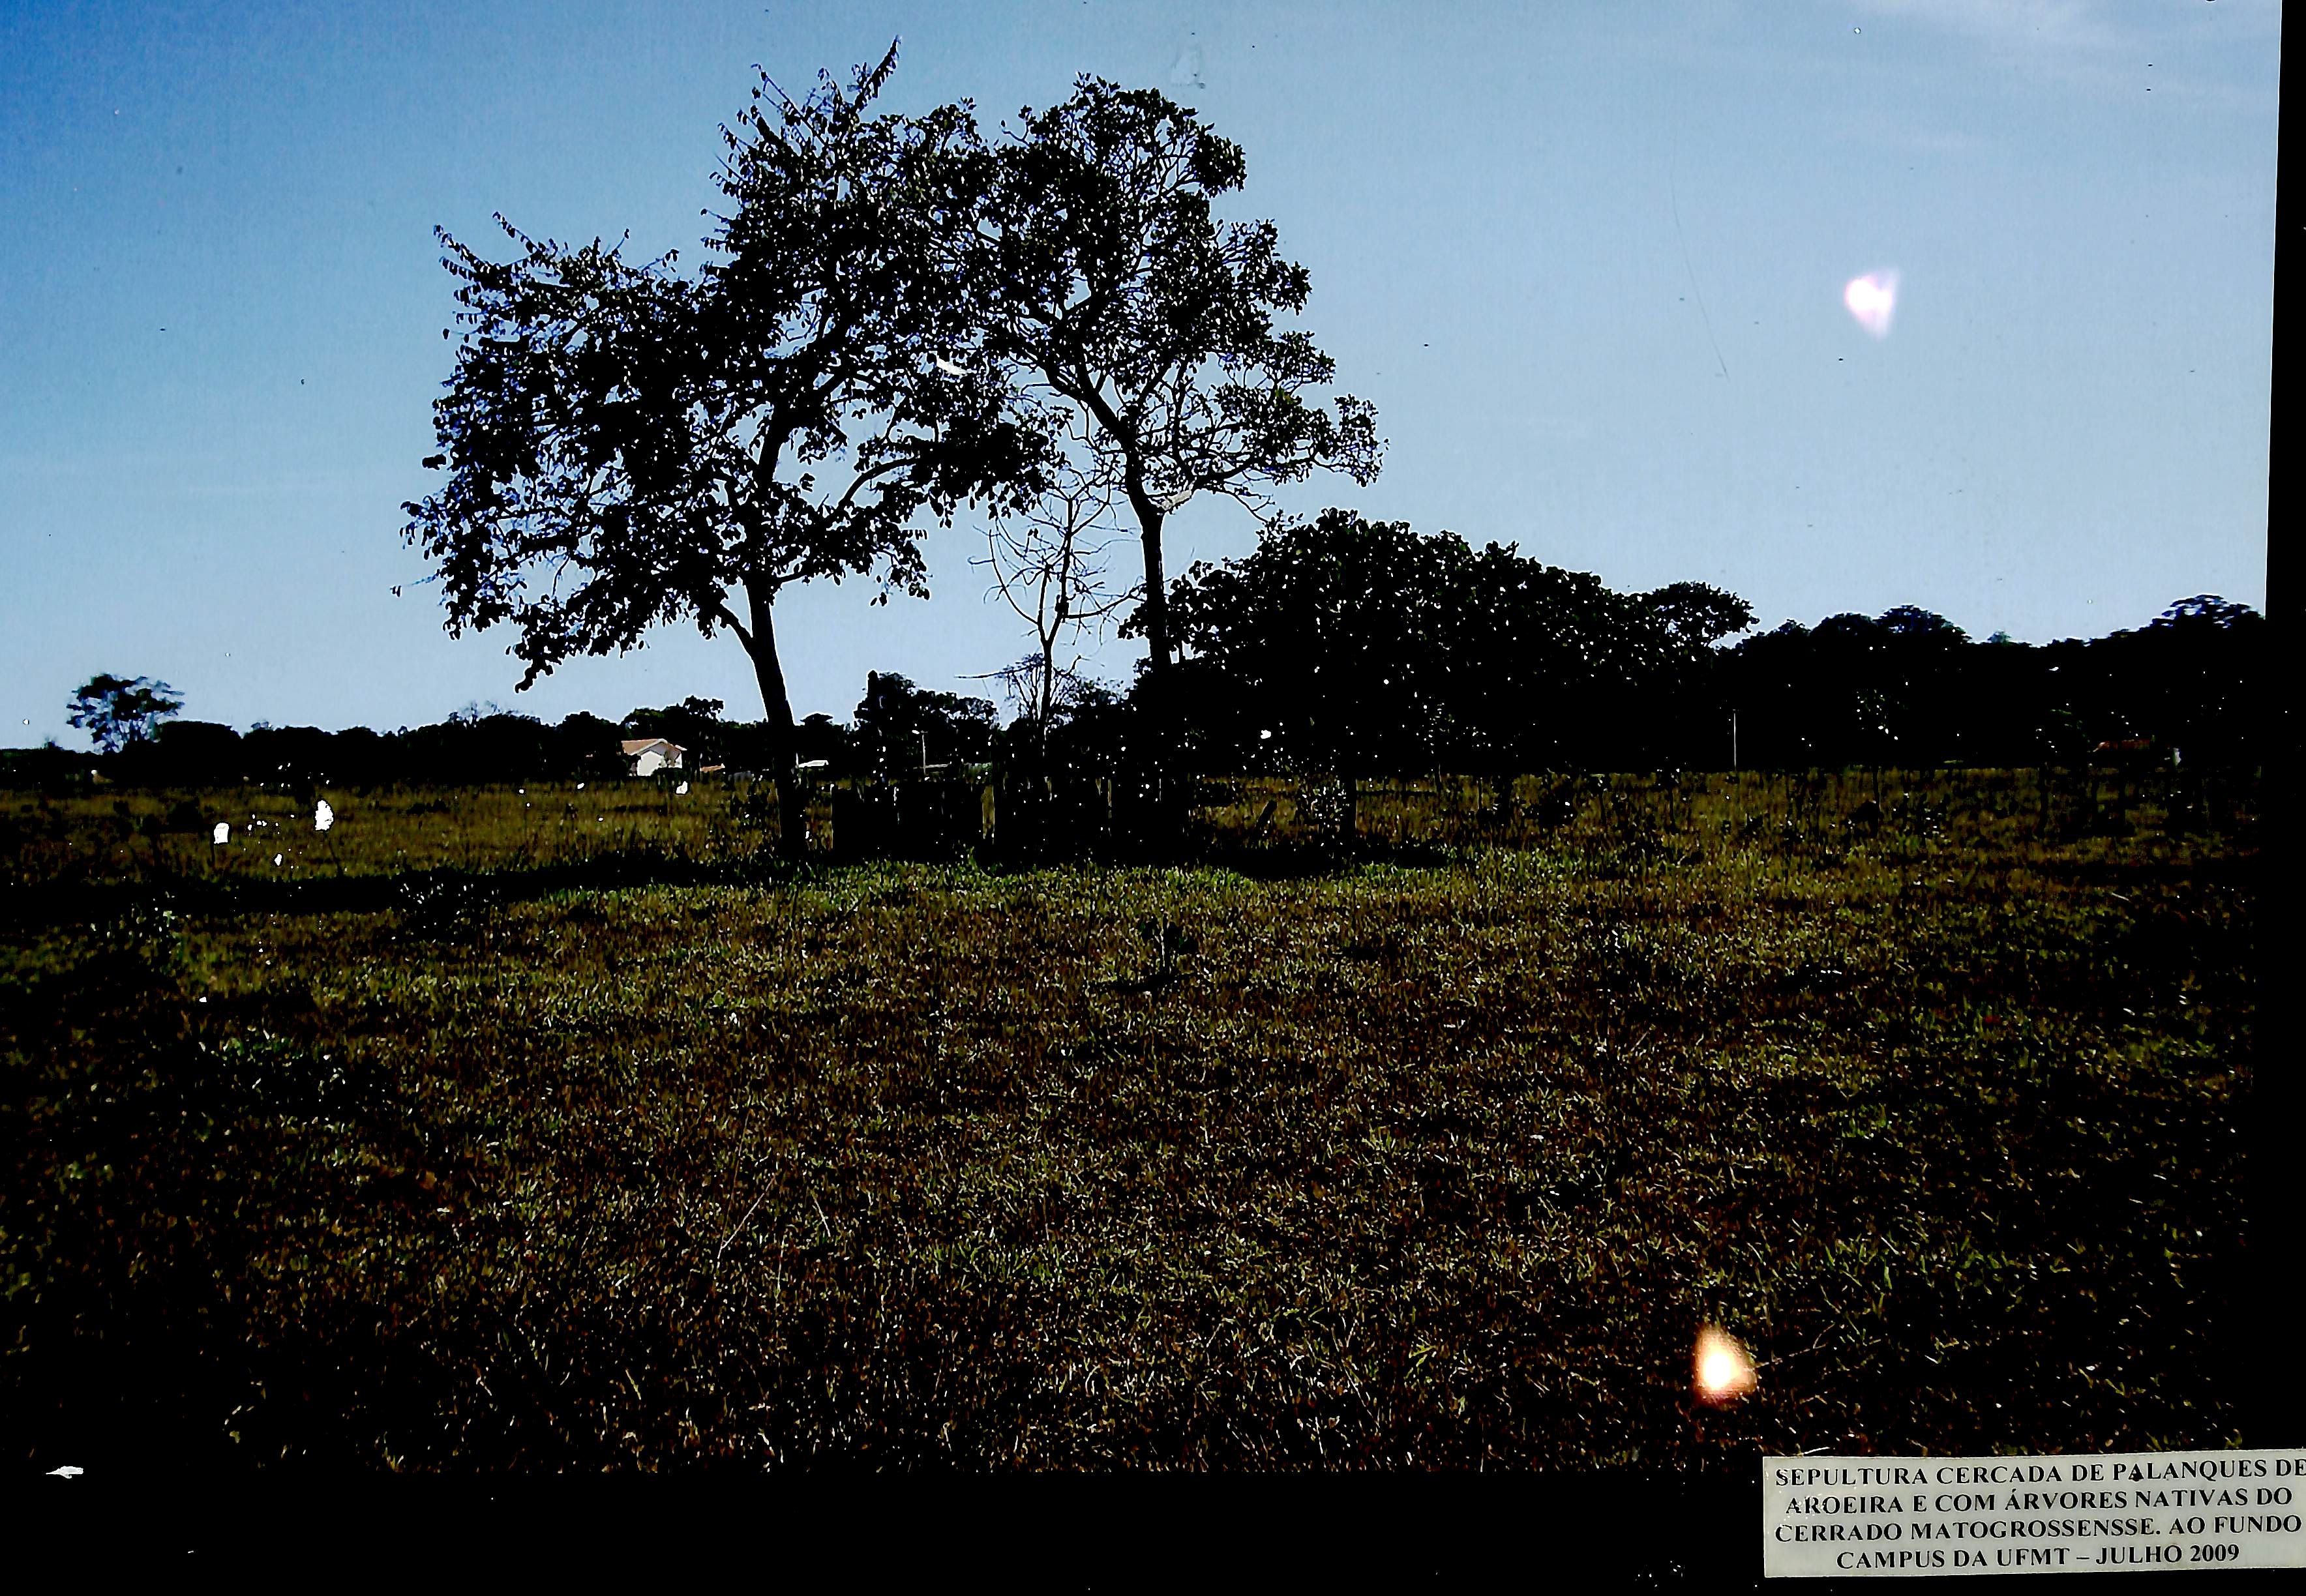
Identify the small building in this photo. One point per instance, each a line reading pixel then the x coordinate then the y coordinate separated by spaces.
pixel 646 755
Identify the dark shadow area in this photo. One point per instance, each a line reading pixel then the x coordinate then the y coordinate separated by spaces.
pixel 428 898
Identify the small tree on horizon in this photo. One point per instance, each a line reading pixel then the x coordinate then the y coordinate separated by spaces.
pixel 118 712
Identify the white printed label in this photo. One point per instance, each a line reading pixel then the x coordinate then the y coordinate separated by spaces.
pixel 2114 1512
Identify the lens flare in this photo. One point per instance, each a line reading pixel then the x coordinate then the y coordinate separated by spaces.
pixel 1873 299
pixel 1724 1372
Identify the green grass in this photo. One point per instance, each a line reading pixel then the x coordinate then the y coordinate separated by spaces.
pixel 552 1130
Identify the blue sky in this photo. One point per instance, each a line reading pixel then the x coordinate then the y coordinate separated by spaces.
pixel 1586 259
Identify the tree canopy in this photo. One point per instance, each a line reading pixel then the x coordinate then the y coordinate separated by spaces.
pixel 1332 642
pixel 627 445
pixel 117 711
pixel 901 726
pixel 1354 645
pixel 1119 296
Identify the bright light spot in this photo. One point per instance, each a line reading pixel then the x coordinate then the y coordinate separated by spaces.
pixel 1724 1371
pixel 681 789
pixel 223 833
pixel 1873 299
pixel 950 369
pixel 70 1471
pixel 277 857
pixel 323 817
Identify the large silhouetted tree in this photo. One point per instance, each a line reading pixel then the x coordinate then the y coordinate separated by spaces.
pixel 1121 296
pixel 627 445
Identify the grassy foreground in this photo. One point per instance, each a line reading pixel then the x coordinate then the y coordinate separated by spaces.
pixel 544 1129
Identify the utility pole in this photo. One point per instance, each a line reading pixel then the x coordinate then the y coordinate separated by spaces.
pixel 925 756
pixel 1733 739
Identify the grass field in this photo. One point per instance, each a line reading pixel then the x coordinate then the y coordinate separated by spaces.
pixel 551 1129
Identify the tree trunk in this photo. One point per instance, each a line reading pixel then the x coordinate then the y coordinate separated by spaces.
pixel 792 814
pixel 1049 636
pixel 1048 704
pixel 1149 520
pixel 1170 788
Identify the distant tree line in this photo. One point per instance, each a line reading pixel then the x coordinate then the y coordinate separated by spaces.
pixel 898 730
pixel 1911 689
pixel 1357 649
pixel 467 747
pixel 1351 647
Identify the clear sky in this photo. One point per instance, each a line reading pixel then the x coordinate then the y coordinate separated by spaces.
pixel 1588 261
